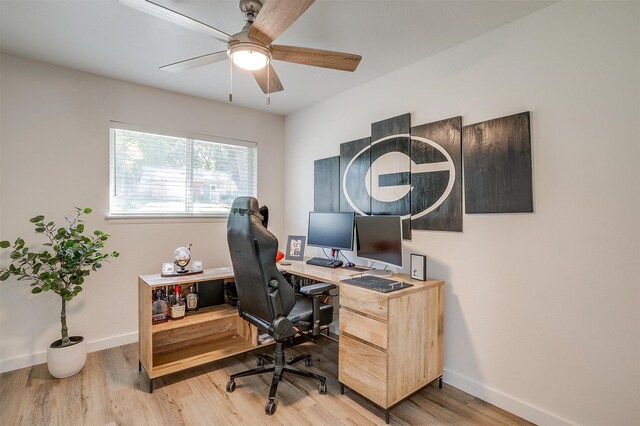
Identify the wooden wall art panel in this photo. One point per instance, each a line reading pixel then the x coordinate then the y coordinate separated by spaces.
pixel 326 185
pixel 355 160
pixel 436 176
pixel 497 165
pixel 390 172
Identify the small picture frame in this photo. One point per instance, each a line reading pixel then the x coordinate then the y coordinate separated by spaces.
pixel 196 265
pixel 167 268
pixel 295 247
pixel 419 267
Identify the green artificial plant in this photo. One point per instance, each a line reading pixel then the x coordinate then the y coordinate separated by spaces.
pixel 64 263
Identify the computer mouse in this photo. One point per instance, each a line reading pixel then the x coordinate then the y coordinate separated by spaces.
pixel 349 265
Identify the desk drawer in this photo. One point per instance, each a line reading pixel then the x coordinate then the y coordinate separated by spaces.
pixel 363 369
pixel 363 300
pixel 365 328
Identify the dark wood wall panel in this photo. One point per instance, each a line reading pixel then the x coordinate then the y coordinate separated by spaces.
pixel 497 165
pixel 326 185
pixel 432 173
pixel 395 167
pixel 354 178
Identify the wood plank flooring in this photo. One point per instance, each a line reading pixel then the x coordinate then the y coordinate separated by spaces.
pixel 111 391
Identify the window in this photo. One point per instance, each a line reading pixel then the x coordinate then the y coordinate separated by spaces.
pixel 177 175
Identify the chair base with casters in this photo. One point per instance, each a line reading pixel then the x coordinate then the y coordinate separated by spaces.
pixel 278 368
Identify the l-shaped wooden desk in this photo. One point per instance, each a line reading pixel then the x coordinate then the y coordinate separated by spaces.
pixel 390 344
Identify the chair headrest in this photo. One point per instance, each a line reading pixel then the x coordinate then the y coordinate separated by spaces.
pixel 247 205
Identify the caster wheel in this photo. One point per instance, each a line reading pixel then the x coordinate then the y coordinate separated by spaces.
pixel 323 388
pixel 270 408
pixel 260 361
pixel 308 362
pixel 231 386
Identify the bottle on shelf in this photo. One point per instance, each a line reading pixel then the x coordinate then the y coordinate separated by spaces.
pixel 182 296
pixel 159 308
pixel 170 297
pixel 178 307
pixel 167 298
pixel 192 300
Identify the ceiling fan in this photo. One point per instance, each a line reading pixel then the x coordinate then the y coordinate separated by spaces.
pixel 252 47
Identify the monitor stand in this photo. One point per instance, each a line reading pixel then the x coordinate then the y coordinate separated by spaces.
pixel 380 272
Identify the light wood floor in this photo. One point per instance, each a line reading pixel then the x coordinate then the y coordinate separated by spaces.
pixel 110 390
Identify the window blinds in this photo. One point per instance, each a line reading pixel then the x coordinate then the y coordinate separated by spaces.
pixel 160 175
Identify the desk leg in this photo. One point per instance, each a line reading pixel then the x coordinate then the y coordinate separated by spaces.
pixel 341 389
pixel 440 382
pixel 386 416
pixel 147 374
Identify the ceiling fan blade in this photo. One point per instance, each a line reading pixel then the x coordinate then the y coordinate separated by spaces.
pixel 198 61
pixel 275 17
pixel 274 82
pixel 177 18
pixel 316 57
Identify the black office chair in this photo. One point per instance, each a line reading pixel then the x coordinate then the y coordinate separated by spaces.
pixel 267 300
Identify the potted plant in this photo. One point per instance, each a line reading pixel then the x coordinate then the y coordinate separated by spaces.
pixel 62 266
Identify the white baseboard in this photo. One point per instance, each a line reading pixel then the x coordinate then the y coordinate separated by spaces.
pixel 502 400
pixel 112 342
pixel 41 357
pixel 22 361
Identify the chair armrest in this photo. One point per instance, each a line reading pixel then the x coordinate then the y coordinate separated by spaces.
pixel 315 289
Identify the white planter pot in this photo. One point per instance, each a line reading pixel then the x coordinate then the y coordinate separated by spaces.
pixel 69 360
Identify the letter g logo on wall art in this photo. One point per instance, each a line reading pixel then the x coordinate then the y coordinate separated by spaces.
pixel 390 177
pixel 415 175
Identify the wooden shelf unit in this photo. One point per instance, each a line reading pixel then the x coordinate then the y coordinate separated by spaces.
pixel 207 335
pixel 210 313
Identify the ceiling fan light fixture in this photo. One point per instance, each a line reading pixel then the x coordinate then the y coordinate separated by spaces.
pixel 250 57
pixel 249 60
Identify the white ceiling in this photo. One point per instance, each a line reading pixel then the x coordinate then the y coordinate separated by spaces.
pixel 107 38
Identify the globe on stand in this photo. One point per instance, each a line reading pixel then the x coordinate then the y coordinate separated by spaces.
pixel 182 257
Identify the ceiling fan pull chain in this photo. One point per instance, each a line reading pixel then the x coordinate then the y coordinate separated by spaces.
pixel 230 80
pixel 268 81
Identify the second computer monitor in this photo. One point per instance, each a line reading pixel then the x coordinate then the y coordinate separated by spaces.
pixel 379 238
pixel 330 230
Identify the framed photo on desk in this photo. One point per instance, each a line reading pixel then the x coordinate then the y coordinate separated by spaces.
pixel 295 247
pixel 418 267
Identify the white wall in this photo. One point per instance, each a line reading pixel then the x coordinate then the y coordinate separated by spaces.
pixel 542 310
pixel 55 155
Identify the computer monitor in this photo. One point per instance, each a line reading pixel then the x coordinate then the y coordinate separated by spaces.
pixel 331 230
pixel 379 238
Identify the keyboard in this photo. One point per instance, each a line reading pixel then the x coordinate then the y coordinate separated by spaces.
pixel 323 261
pixel 382 285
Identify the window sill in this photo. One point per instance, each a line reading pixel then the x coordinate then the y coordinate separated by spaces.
pixel 130 219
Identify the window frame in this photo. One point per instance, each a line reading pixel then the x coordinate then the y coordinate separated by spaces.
pixel 173 216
